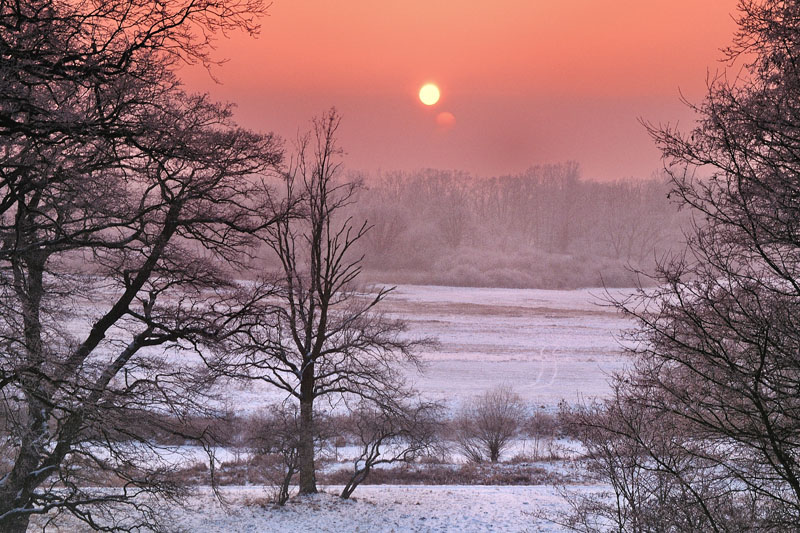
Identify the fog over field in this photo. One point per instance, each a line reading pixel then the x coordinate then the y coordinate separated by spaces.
pixel 546 227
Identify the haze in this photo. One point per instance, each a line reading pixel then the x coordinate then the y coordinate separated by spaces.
pixel 527 82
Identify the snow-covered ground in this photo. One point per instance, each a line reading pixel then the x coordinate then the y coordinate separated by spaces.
pixel 373 509
pixel 378 509
pixel 549 345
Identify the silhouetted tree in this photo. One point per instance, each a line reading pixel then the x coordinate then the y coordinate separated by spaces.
pixel 321 337
pixel 125 204
pixel 710 411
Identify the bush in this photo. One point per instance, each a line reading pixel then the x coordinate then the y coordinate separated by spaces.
pixel 488 424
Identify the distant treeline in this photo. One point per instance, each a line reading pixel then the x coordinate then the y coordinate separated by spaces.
pixel 543 228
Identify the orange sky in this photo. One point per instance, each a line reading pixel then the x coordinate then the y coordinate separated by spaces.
pixel 528 81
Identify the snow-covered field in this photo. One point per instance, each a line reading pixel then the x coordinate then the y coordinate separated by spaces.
pixel 378 509
pixel 549 345
pixel 374 509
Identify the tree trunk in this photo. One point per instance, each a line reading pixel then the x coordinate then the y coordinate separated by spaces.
pixel 494 453
pixel 283 492
pixel 355 481
pixel 305 449
pixel 18 485
pixel 14 494
pixel 18 524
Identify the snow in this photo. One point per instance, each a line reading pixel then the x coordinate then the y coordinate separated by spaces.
pixel 377 509
pixel 372 509
pixel 549 345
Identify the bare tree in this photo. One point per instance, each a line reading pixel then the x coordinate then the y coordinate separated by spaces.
pixel 716 378
pixel 516 230
pixel 276 437
pixel 153 194
pixel 636 219
pixel 155 247
pixel 321 337
pixel 389 218
pixel 68 69
pixel 542 427
pixel 489 423
pixel 391 434
pixel 661 477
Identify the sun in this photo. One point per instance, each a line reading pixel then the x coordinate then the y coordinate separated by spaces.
pixel 429 94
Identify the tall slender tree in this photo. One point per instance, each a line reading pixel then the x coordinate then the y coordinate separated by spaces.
pixel 322 337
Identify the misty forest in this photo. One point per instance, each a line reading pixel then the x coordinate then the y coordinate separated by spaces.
pixel 209 327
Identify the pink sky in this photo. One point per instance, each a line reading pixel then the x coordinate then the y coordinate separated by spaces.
pixel 528 81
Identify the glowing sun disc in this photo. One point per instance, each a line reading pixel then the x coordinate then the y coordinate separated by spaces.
pixel 429 94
